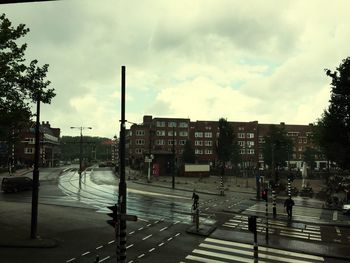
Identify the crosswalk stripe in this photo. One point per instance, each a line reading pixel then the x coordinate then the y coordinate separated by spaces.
pixel 218 255
pixel 205 260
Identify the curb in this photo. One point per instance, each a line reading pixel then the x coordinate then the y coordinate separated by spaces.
pixel 31 243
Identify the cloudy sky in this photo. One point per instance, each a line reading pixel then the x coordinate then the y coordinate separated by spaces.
pixel 198 59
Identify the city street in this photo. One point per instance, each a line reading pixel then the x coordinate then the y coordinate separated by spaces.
pixel 73 214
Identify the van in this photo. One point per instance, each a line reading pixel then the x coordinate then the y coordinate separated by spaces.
pixel 15 184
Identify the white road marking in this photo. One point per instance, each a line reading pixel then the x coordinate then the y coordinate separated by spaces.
pixel 142 255
pixel 149 225
pixel 170 238
pixel 205 260
pixel 140 228
pixel 132 232
pixel 84 254
pixel 112 241
pixel 70 260
pixel 177 234
pixel 161 244
pixel 163 229
pixel 151 249
pixel 99 247
pixel 104 258
pixel 147 237
pixel 129 246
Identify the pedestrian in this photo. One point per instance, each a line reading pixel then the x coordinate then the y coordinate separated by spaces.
pixel 288 204
pixel 195 199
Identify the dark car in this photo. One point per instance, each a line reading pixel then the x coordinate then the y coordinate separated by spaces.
pixel 15 184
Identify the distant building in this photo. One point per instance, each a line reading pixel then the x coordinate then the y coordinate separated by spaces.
pixel 156 136
pixel 49 146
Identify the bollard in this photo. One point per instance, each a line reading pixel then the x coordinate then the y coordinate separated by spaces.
pixel 197 219
pixel 274 210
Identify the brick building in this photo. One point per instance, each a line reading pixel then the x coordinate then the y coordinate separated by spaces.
pixel 156 135
pixel 49 146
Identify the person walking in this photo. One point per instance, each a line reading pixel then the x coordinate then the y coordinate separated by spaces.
pixel 288 204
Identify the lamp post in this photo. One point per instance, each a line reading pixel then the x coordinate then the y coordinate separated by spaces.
pixel 35 192
pixel 81 128
pixel 173 166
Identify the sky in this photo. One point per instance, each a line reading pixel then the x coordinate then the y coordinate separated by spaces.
pixel 199 59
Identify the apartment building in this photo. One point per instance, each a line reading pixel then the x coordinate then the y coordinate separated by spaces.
pixel 156 136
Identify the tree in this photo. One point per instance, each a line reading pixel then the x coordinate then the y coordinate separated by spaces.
pixel 20 84
pixel 309 157
pixel 188 155
pixel 277 148
pixel 333 128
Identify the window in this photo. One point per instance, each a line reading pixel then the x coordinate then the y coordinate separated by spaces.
pixel 198 151
pixel 241 143
pixel 304 140
pixel 140 142
pixel 300 148
pixel 138 151
pixel 241 128
pixel 183 133
pixel 171 124
pixel 208 135
pixel 170 133
pixel 250 135
pixel 250 143
pixel 208 143
pixel 183 124
pixel 198 134
pixel 241 151
pixel 28 150
pixel 160 124
pixel 250 151
pixel 30 140
pixel 208 151
pixel 140 132
pixel 261 140
pixel 198 143
pixel 208 127
pixel 160 142
pixel 182 142
pixel 160 133
pixel 170 142
pixel 241 135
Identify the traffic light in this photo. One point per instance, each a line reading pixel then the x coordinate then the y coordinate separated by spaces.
pixel 114 215
pixel 252 224
pixel 264 195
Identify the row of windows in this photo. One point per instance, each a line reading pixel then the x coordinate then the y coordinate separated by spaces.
pixel 244 143
pixel 141 151
pixel 170 133
pixel 171 124
pixel 206 134
pixel 201 143
pixel 248 135
pixel 205 151
pixel 170 142
pixel 246 151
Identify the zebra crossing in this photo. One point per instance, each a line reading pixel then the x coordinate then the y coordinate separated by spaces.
pixel 304 231
pixel 213 250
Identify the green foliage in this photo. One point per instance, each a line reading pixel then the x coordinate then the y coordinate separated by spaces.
pixel 309 157
pixel 278 146
pixel 188 155
pixel 19 84
pixel 227 148
pixel 333 128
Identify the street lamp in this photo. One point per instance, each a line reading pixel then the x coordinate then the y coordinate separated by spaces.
pixel 81 147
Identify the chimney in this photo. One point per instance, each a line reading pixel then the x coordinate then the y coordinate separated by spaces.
pixel 282 123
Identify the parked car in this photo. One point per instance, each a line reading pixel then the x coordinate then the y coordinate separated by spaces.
pixel 15 184
pixel 306 192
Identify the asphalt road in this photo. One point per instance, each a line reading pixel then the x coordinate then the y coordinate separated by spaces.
pixel 78 212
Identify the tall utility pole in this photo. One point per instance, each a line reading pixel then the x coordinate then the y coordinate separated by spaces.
pixel 81 148
pixel 121 256
pixel 35 192
pixel 173 171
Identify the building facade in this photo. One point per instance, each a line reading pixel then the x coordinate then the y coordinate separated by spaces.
pixel 165 138
pixel 49 146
